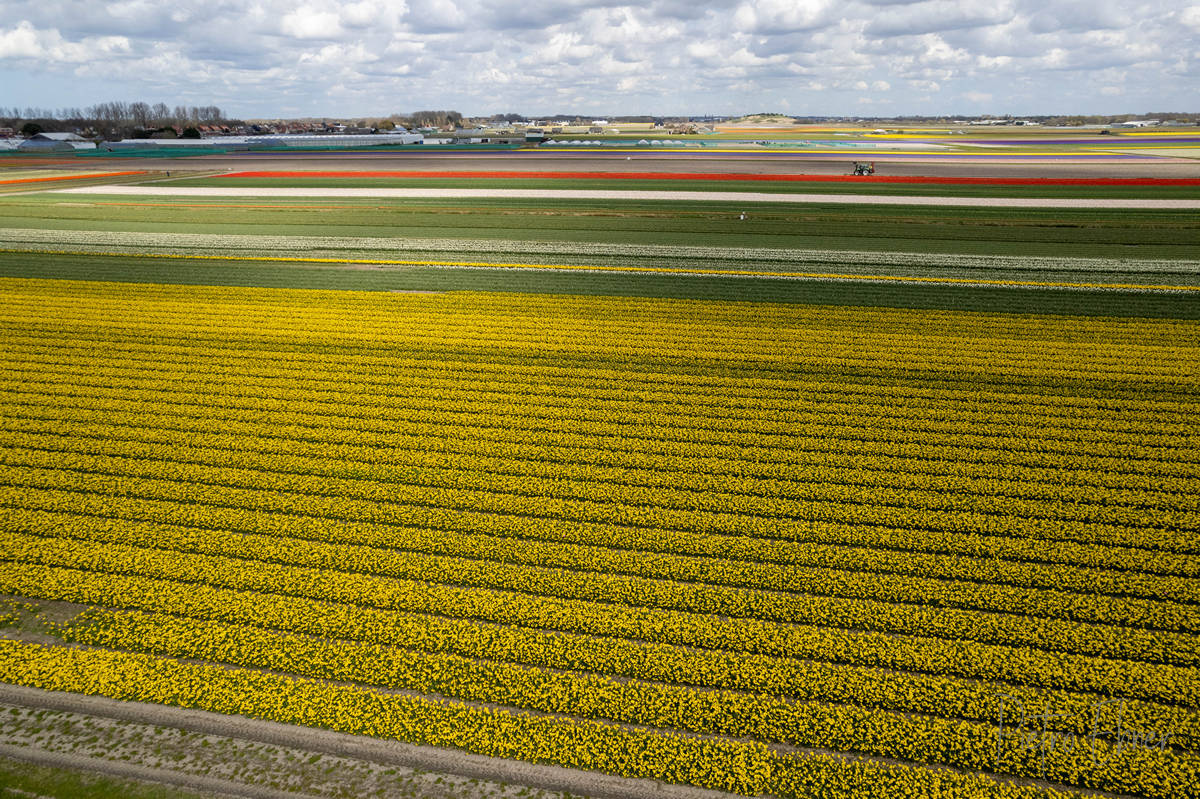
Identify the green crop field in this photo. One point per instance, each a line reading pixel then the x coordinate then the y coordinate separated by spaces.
pixel 829 501
pixel 778 187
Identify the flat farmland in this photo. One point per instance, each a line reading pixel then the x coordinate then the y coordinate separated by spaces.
pixel 849 501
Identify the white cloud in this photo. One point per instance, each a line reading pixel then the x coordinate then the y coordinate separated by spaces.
pixel 26 41
pixel 782 16
pixel 307 22
pixel 256 57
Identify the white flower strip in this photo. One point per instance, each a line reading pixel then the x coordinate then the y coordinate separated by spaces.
pixel 473 249
pixel 635 194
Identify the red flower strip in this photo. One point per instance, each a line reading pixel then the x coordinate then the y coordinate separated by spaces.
pixel 969 181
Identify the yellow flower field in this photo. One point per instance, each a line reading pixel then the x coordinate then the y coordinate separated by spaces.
pixel 766 548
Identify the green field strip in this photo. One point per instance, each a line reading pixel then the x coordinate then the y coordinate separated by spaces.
pixel 620 222
pixel 1142 280
pixel 23 778
pixel 383 251
pixel 997 299
pixel 775 187
pixel 703 199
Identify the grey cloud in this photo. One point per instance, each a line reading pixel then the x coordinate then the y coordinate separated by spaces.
pixel 937 15
pixel 1079 15
pixel 504 14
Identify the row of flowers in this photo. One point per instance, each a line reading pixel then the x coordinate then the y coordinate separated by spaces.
pixel 927 691
pixel 729 764
pixel 842 606
pixel 964 658
pixel 348 246
pixel 1075 760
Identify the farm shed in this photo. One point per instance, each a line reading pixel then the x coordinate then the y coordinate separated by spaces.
pixel 55 142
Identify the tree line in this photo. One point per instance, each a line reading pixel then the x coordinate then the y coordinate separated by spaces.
pixel 113 119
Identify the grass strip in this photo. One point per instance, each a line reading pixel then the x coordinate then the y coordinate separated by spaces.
pixel 738 288
pixel 630 269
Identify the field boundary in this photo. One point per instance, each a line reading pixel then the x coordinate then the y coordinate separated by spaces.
pixel 84 176
pixel 645 195
pixel 714 176
pixel 144 774
pixel 594 785
pixel 653 270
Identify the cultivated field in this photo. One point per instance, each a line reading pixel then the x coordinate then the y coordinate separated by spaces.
pixel 841 500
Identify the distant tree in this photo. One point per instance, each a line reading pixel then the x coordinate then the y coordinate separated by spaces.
pixel 436 119
pixel 140 113
pixel 190 133
pixel 31 129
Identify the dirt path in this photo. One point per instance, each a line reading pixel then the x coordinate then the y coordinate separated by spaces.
pixel 607 194
pixel 131 771
pixel 395 753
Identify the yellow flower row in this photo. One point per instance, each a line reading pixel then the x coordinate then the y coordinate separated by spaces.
pixel 710 585
pixel 731 765
pixel 444 506
pixel 795 499
pixel 860 433
pixel 404 372
pixel 919 546
pixel 322 393
pixel 1056 635
pixel 948 697
pixel 767 337
pixel 1097 762
pixel 1022 665
pixel 782 458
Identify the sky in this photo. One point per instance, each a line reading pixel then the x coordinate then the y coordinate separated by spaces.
pixel 297 58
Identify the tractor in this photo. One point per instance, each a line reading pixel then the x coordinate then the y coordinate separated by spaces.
pixel 863 168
